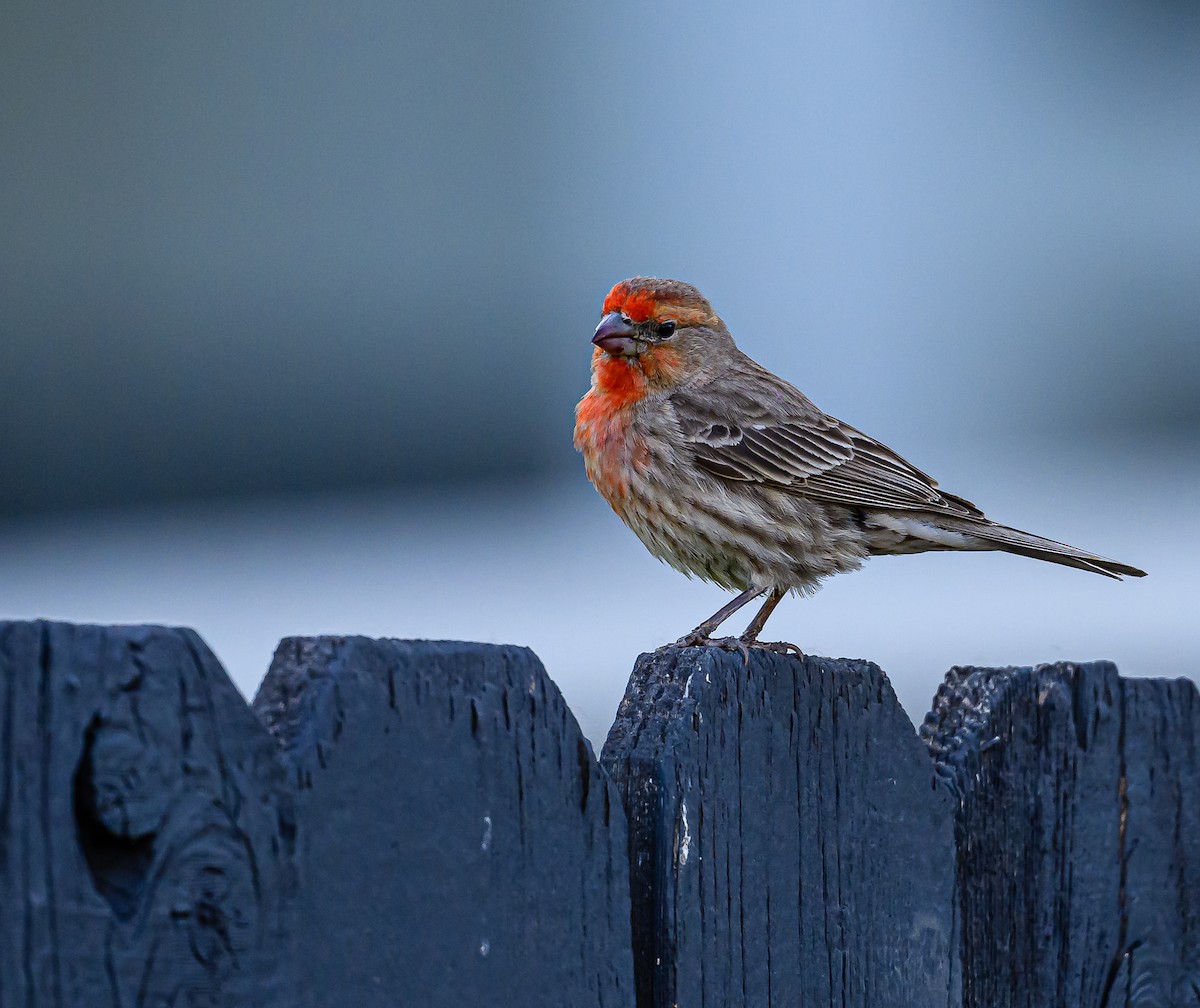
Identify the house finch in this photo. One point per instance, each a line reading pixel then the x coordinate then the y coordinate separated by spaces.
pixel 727 472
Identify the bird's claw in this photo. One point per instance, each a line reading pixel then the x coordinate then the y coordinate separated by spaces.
pixel 740 645
pixel 775 647
pixel 734 644
pixel 694 639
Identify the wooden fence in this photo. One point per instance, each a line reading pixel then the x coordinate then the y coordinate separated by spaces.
pixel 412 823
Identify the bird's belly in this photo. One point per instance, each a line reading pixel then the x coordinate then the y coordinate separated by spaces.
pixel 742 536
pixel 689 539
pixel 621 466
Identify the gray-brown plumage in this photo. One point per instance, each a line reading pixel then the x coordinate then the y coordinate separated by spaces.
pixel 728 472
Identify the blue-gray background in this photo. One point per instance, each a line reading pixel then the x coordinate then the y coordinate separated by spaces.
pixel 295 305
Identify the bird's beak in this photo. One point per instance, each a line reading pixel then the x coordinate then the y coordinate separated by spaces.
pixel 615 335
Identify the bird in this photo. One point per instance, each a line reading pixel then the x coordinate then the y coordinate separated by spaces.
pixel 729 473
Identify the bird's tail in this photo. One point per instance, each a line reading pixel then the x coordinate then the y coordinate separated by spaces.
pixel 1011 540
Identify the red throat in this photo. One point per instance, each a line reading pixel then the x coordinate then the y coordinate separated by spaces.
pixel 618 379
pixel 603 420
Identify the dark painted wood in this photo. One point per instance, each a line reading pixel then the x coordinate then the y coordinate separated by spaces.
pixel 436 832
pixel 1078 834
pixel 789 842
pixel 458 843
pixel 145 825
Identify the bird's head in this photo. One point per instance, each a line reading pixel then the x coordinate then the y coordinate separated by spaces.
pixel 663 325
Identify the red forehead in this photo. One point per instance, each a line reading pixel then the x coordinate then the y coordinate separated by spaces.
pixel 637 304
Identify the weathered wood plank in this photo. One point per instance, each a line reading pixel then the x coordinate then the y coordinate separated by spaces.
pixel 458 843
pixel 788 839
pixel 1078 834
pixel 144 825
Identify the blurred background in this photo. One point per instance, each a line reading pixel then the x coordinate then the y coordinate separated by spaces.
pixel 295 303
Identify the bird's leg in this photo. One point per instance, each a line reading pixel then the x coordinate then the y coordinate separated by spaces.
pixel 702 635
pixel 705 629
pixel 749 637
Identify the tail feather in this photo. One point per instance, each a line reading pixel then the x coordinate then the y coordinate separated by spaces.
pixel 1012 540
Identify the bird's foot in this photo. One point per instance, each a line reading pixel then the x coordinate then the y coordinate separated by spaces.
pixel 694 638
pixel 775 647
pixel 698 639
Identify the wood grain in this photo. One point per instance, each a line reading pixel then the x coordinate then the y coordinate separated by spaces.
pixel 458 843
pixel 789 842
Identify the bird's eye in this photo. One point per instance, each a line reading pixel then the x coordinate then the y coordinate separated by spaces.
pixel 664 329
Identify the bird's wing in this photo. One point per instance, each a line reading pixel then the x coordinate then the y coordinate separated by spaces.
pixel 781 439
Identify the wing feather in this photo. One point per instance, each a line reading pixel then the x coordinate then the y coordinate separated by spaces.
pixel 790 444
